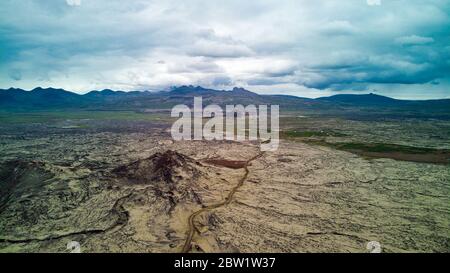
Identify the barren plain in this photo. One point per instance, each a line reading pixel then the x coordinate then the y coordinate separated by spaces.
pixel 123 185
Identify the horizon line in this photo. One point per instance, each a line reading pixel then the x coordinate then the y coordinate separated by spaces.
pixel 172 88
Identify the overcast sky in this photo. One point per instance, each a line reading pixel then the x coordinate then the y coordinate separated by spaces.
pixel 310 48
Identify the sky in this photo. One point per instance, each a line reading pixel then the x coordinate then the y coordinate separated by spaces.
pixel 307 48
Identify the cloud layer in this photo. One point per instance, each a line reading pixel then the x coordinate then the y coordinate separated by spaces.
pixel 399 48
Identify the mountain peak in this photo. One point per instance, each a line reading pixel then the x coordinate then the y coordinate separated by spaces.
pixel 104 92
pixel 40 89
pixel 241 90
pixel 12 89
pixel 187 89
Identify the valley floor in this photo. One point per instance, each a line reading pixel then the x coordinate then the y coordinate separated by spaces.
pixel 128 187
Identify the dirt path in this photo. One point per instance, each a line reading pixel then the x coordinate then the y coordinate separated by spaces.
pixel 228 199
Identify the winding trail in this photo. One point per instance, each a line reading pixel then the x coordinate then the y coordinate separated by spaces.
pixel 228 199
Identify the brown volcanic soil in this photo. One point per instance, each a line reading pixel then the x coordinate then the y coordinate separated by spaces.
pixel 134 191
pixel 232 164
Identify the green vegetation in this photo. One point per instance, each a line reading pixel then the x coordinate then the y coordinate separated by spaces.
pixel 305 134
pixel 393 151
pixel 377 147
pixel 383 148
pixel 54 116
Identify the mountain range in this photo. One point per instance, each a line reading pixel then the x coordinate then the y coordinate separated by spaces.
pixel 16 100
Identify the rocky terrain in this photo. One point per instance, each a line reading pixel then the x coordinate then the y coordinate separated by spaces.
pixel 135 190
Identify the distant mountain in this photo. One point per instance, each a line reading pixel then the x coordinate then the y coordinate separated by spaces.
pixel 39 98
pixel 378 101
pixel 362 100
pixel 184 94
pixel 104 93
pixel 50 99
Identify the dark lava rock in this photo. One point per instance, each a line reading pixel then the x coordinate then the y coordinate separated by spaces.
pixel 173 176
pixel 19 176
pixel 168 167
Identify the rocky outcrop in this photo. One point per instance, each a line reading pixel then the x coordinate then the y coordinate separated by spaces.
pixel 169 167
pixel 18 176
pixel 172 175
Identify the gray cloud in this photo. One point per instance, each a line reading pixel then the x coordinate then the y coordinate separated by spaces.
pixel 15 75
pixel 387 69
pixel 309 46
pixel 217 49
pixel 414 40
pixel 334 28
pixel 73 2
